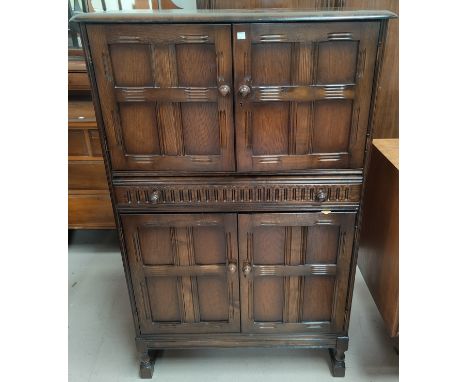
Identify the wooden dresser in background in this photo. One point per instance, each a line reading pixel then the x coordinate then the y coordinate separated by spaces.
pixel 89 203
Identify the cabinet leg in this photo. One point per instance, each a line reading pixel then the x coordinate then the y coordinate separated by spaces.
pixel 337 362
pixel 337 357
pixel 146 364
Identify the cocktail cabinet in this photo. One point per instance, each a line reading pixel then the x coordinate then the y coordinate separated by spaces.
pixel 235 149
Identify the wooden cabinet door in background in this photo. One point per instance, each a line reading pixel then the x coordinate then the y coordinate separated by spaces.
pixel 166 97
pixel 184 272
pixel 303 94
pixel 294 271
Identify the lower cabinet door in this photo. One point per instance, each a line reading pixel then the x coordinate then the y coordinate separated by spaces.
pixel 184 272
pixel 294 271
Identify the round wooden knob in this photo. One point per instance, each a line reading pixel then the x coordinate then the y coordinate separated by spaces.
pixel 244 90
pixel 155 196
pixel 224 90
pixel 321 196
pixel 247 269
pixel 232 267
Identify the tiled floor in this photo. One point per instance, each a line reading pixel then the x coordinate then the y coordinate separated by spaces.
pixel 101 346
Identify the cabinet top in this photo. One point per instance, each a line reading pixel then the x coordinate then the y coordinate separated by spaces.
pixel 220 16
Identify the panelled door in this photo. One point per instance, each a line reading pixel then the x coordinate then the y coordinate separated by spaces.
pixel 303 94
pixel 184 272
pixel 294 271
pixel 165 94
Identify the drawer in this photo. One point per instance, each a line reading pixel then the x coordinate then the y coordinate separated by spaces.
pixel 87 175
pixel 81 113
pixel 93 210
pixel 78 81
pixel 240 193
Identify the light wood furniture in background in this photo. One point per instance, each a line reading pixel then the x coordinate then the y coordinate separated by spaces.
pixel 378 250
pixel 89 203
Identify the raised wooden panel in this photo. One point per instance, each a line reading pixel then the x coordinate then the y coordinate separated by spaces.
pixel 163 299
pixel 199 57
pixel 213 299
pixel 310 92
pixel 215 237
pixel 298 289
pixel 318 298
pixel 268 299
pixel 322 244
pixel 200 128
pixel 270 135
pixel 138 124
pixel 336 61
pixel 179 267
pixel 131 64
pixel 332 120
pixel 268 245
pixel 158 89
pixel 271 64
pixel 156 245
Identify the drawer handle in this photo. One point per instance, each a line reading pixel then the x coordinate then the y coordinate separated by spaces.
pixel 224 90
pixel 321 196
pixel 232 267
pixel 155 196
pixel 244 90
pixel 247 269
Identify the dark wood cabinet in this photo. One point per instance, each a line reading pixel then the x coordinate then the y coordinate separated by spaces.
pixel 235 148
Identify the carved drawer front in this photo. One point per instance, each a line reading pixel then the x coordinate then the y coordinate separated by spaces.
pixel 184 272
pixel 294 271
pixel 239 193
pixel 166 95
pixel 303 94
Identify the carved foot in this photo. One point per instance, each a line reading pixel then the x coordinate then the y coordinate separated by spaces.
pixel 338 358
pixel 337 362
pixel 146 365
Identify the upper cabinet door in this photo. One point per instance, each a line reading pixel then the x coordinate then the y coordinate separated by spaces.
pixel 166 95
pixel 303 94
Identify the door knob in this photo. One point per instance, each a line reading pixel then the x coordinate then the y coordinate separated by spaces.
pixel 247 269
pixel 321 196
pixel 155 196
pixel 244 90
pixel 232 267
pixel 224 90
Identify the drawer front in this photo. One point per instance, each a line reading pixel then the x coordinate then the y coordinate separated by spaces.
pixel 91 211
pixel 303 94
pixel 87 175
pixel 166 95
pixel 239 193
pixel 78 81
